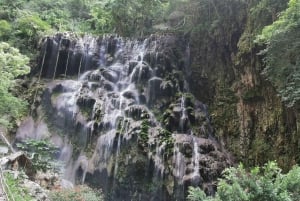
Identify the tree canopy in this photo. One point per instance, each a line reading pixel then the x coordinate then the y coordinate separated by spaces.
pixel 282 54
pixel 259 184
pixel 12 65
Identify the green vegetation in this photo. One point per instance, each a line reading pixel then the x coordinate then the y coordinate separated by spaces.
pixel 282 54
pixel 165 137
pixel 133 17
pixel 144 135
pixel 23 23
pixel 42 152
pixel 260 14
pixel 260 184
pixel 77 194
pixel 14 190
pixel 12 65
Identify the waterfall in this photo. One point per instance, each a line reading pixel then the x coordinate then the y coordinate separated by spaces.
pixel 117 101
pixel 57 58
pixel 124 116
pixel 179 164
pixel 183 117
pixel 196 158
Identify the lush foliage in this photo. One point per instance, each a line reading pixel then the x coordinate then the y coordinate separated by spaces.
pixel 260 184
pixel 282 54
pixel 127 18
pixel 12 65
pixel 135 15
pixel 77 194
pixel 260 14
pixel 14 190
pixel 31 19
pixel 42 152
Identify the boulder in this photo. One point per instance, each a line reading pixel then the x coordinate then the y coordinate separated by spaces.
pixel 132 65
pixel 141 73
pixel 16 161
pixel 154 88
pixel 130 94
pixel 110 75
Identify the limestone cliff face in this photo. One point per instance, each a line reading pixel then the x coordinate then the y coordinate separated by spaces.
pixel 247 114
pixel 123 117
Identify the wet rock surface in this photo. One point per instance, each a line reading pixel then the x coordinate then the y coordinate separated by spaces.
pixel 127 122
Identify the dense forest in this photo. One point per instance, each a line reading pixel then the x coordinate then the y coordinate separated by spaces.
pixel 169 97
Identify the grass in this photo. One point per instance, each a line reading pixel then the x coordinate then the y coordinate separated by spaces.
pixel 14 189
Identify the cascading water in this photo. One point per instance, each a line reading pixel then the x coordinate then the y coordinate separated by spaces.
pixel 196 158
pixel 121 124
pixel 183 117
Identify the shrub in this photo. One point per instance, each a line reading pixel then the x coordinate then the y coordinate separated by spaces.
pixel 5 29
pixel 260 184
pixel 43 153
pixel 80 193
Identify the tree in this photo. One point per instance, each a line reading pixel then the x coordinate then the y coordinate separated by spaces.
pixel 31 28
pixel 12 65
pixel 101 20
pixel 5 29
pixel 130 17
pixel 282 53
